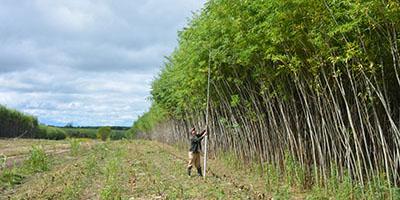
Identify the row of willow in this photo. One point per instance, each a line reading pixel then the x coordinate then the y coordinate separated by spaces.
pixel 316 81
pixel 16 124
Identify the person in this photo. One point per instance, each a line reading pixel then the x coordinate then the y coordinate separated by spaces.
pixel 195 149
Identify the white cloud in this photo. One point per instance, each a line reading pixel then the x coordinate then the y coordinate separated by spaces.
pixel 88 62
pixel 75 16
pixel 85 98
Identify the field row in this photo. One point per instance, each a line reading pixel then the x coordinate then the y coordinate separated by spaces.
pixel 113 170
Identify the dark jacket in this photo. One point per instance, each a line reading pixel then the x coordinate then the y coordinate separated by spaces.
pixel 195 144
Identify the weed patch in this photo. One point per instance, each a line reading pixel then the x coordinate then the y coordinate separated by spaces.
pixel 75 145
pixel 38 161
pixel 113 170
pixel 10 177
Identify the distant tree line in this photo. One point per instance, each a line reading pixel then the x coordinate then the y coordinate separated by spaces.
pixel 70 125
pixel 15 124
pixel 92 132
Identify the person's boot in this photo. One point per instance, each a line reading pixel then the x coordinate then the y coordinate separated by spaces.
pixel 189 171
pixel 199 171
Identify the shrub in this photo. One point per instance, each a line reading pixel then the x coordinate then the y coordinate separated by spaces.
pixel 81 133
pixel 130 134
pixel 38 160
pixel 104 133
pixel 10 177
pixel 118 135
pixel 55 133
pixel 75 146
pixel 3 161
pixel 52 133
pixel 41 132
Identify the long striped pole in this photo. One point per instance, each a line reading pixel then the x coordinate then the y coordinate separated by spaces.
pixel 208 104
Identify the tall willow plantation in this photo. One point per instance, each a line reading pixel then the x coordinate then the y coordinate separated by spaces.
pixel 310 88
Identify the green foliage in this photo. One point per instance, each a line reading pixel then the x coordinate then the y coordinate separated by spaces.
pixel 10 177
pixel 235 100
pixel 147 121
pixel 272 176
pixel 37 161
pixel 119 134
pixel 52 133
pixel 16 124
pixel 264 45
pixel 75 145
pixel 294 172
pixel 3 161
pixel 90 165
pixel 112 189
pixel 130 134
pixel 346 188
pixel 104 133
pixel 81 132
pixel 283 193
pixel 267 53
pixel 230 159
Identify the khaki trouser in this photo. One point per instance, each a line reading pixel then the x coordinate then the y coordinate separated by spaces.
pixel 194 160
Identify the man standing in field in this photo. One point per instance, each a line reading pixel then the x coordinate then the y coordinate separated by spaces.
pixel 195 149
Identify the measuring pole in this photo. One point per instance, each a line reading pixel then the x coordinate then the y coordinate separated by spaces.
pixel 208 104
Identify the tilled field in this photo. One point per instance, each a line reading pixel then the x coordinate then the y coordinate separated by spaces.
pixel 124 170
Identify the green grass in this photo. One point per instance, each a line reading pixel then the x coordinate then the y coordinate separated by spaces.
pixel 10 178
pixel 149 170
pixel 75 146
pixel 112 171
pixel 37 161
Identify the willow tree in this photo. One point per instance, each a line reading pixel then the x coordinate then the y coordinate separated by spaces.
pixel 16 124
pixel 313 81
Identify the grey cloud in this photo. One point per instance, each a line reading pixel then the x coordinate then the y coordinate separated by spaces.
pixel 90 62
pixel 93 35
pixel 82 98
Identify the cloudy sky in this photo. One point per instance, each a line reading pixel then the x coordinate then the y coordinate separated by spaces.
pixel 89 62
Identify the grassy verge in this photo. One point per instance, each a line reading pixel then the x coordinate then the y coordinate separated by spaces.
pixel 150 170
pixel 289 181
pixel 37 161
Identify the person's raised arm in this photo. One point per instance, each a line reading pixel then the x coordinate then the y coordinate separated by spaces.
pixel 203 133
